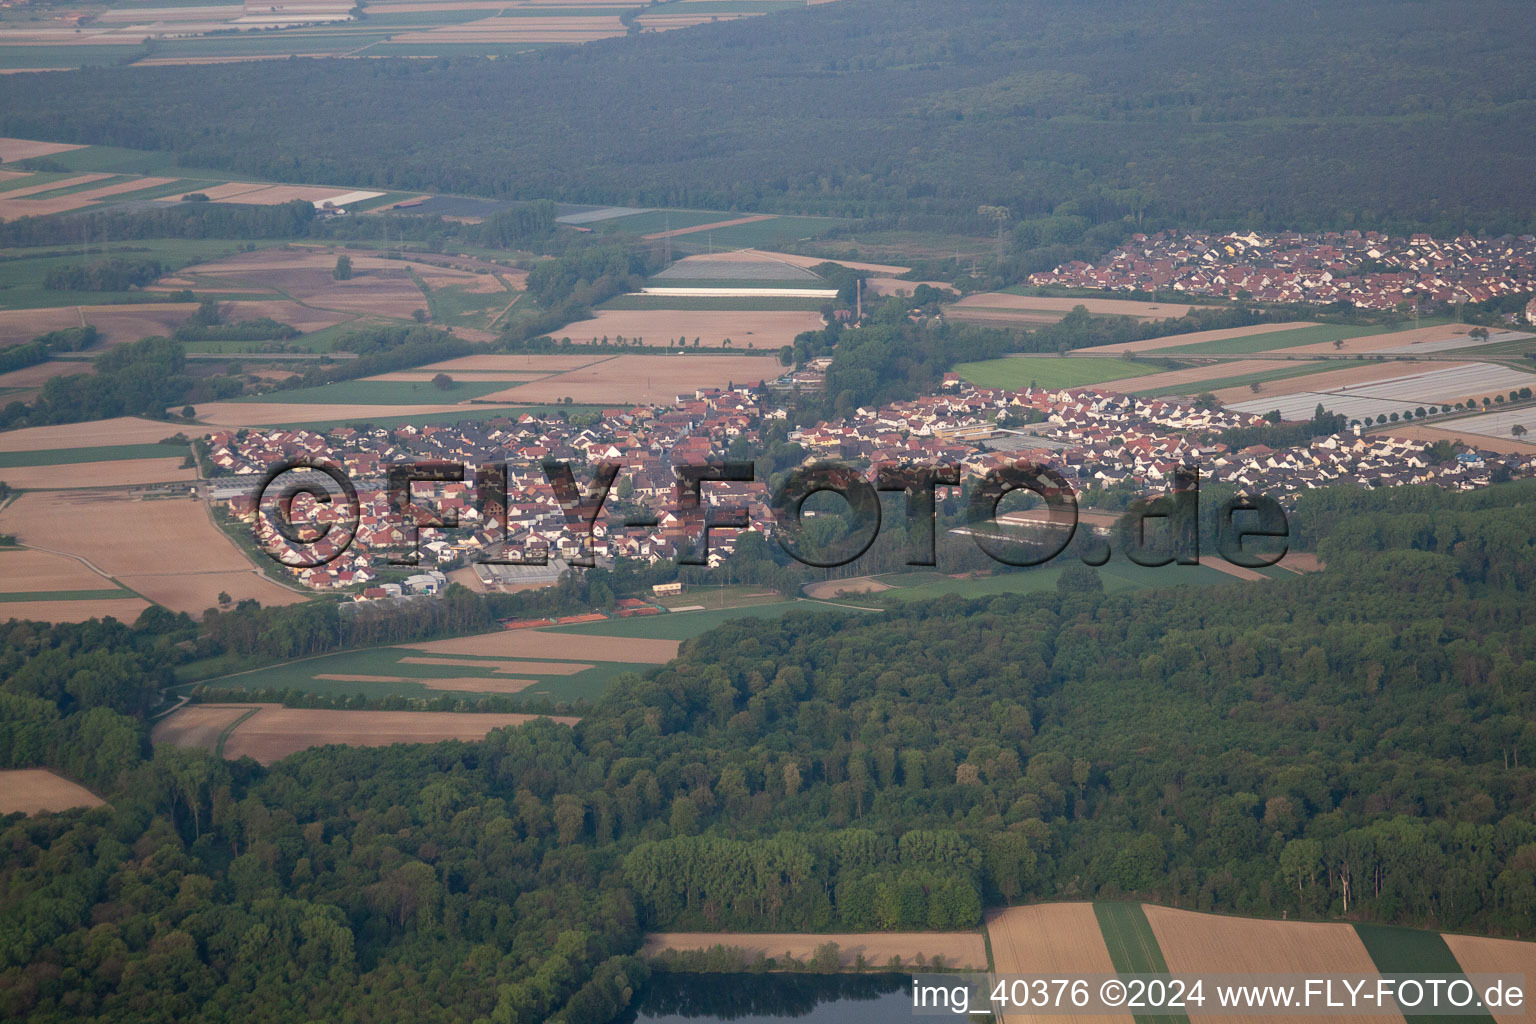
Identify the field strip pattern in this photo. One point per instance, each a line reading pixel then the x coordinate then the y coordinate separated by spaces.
pixel 270 732
pixel 1411 951
pixel 1478 955
pixel 1050 940
pixel 1196 943
pixel 1133 949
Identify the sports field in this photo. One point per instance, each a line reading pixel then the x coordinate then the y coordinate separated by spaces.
pixel 1018 372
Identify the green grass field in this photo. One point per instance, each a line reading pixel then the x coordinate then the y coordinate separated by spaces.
pixel 1410 951
pixel 1133 949
pixel 653 221
pixel 66 595
pixel 1016 372
pixel 103 453
pixel 14 57
pixel 383 392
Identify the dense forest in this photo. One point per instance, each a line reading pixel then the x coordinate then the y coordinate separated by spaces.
pixel 1354 742
pixel 1273 114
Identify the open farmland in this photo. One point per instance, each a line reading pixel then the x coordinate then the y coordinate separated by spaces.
pixel 1399 339
pixel 123 609
pixel 537 643
pixel 121 430
pixel 1194 943
pixel 1342 376
pixel 12 208
pixel 762 329
pixel 1018 372
pixel 1047 939
pixel 117 323
pixel 268 413
pixel 26 571
pixel 411 672
pixel 36 790
pixel 1478 955
pixel 377 286
pixel 642 379
pixel 1440 385
pixel 168 550
pixel 12 150
pixel 1223 341
pixel 114 473
pixel 1451 432
pixel 273 732
pixel 959 949
pixel 1008 307
pixel 1495 424
pixel 1232 373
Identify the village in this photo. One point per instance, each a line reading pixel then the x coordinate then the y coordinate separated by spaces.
pixel 1368 269
pixel 1095 440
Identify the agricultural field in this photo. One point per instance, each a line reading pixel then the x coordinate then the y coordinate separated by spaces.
pixel 673 628
pixel 1223 341
pixel 167 550
pixel 1048 939
pixel 1194 943
pixel 199 33
pixel 374 391
pixel 1230 374
pixel 412 672
pixel 47 586
pixel 38 791
pixel 545 644
pixel 1440 384
pixel 1004 307
pixel 270 732
pixel 1018 372
pixel 111 473
pixel 640 379
pixel 1478 955
pixel 963 950
pixel 95 435
pixel 762 330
